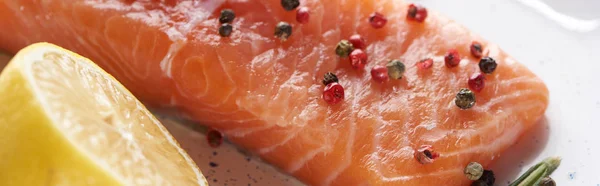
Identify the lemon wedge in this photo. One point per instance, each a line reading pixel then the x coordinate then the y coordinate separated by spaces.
pixel 65 121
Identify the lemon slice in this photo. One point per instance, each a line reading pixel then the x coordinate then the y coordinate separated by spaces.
pixel 65 121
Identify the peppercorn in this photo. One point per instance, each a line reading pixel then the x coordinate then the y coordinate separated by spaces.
pixel 377 20
pixel 416 12
pixel 476 82
pixel 283 30
pixel 358 58
pixel 343 48
pixel 333 93
pixel 473 171
pixel 487 65
pixel 426 155
pixel 452 58
pixel 227 16
pixel 465 99
pixel 479 183
pixel 379 73
pixel 547 181
pixel 329 78
pixel 357 41
pixel 214 138
pixel 290 5
pixel 225 30
pixel 396 69
pixel 488 177
pixel 302 15
pixel 425 64
pixel 476 49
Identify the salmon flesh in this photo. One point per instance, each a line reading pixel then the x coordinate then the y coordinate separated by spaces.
pixel 265 94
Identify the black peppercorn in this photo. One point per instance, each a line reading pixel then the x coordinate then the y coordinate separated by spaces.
pixel 283 30
pixel 227 16
pixel 329 78
pixel 465 99
pixel 290 5
pixel 488 177
pixel 479 183
pixel 225 29
pixel 487 65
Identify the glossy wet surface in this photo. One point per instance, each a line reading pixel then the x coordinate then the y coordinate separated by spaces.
pixel 563 53
pixel 558 40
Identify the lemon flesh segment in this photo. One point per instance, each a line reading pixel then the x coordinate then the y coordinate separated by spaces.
pixel 65 121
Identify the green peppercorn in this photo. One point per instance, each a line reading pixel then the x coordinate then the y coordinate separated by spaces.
pixel 395 69
pixel 290 5
pixel 473 171
pixel 487 65
pixel 329 78
pixel 225 29
pixel 227 16
pixel 343 48
pixel 283 30
pixel 547 181
pixel 465 99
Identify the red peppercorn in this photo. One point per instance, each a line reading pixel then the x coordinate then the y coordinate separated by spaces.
pixel 452 58
pixel 377 20
pixel 358 58
pixel 416 13
pixel 302 15
pixel 477 82
pixel 379 73
pixel 214 138
pixel 425 64
pixel 357 41
pixel 476 49
pixel 333 93
pixel 426 155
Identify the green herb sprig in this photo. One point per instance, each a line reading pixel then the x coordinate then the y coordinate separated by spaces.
pixel 536 173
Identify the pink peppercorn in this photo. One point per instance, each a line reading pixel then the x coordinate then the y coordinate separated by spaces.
pixel 477 82
pixel 416 13
pixel 377 20
pixel 452 58
pixel 476 49
pixel 358 58
pixel 302 15
pixel 379 73
pixel 357 41
pixel 333 93
pixel 425 64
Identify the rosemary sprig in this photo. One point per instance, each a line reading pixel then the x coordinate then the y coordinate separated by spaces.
pixel 534 175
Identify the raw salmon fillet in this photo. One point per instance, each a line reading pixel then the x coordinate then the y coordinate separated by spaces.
pixel 266 94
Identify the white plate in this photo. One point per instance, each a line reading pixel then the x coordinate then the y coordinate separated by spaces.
pixel 558 39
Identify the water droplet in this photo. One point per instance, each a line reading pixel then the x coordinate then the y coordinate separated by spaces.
pixel 572 175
